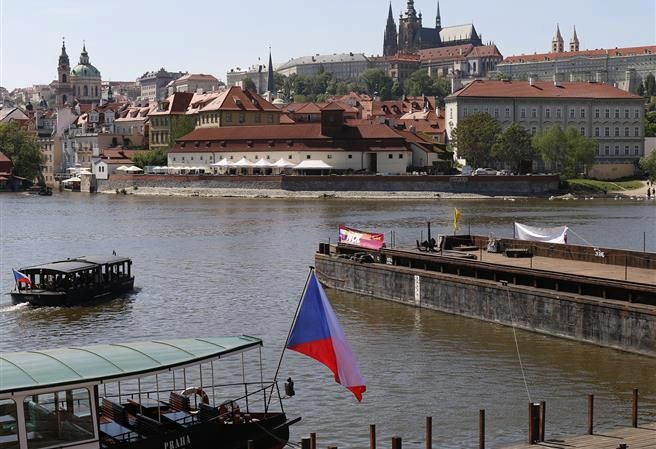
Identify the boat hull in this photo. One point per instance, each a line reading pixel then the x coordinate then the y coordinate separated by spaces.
pixel 72 297
pixel 271 432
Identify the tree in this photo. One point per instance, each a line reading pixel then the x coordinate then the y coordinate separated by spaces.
pixel 514 147
pixel 650 85
pixel 23 150
pixel 249 84
pixel 152 158
pixel 648 164
pixel 419 83
pixel 376 82
pixel 568 150
pixel 641 89
pixel 650 124
pixel 473 138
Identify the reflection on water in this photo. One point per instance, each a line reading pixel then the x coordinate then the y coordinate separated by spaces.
pixel 231 266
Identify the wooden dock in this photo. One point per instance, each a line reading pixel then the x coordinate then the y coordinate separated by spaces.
pixel 642 437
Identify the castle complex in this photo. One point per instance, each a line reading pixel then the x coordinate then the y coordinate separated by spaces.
pixel 412 36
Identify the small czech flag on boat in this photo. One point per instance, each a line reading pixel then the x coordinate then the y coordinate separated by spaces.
pixel 21 278
pixel 317 334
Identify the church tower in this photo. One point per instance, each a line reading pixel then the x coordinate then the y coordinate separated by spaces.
pixel 409 27
pixel 390 44
pixel 63 91
pixel 438 18
pixel 574 43
pixel 271 82
pixel 557 43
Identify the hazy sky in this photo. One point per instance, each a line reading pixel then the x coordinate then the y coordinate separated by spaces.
pixel 127 38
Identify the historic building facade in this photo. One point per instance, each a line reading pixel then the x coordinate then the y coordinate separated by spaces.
pixel 82 83
pixel 412 36
pixel 611 116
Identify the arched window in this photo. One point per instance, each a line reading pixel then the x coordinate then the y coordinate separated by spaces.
pixel 63 77
pixel 96 93
pixel 64 99
pixel 86 90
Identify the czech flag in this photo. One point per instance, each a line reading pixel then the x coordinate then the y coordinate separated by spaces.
pixel 317 334
pixel 21 278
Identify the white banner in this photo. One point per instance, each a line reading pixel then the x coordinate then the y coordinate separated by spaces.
pixel 550 235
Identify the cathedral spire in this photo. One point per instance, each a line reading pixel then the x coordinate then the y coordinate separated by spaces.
pixel 390 41
pixel 574 43
pixel 271 85
pixel 84 56
pixel 411 12
pixel 557 45
pixel 63 58
pixel 438 18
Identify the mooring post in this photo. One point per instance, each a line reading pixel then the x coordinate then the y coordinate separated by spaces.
pixel 332 447
pixel 372 436
pixel 481 429
pixel 396 443
pixel 543 419
pixel 626 268
pixel 429 432
pixel 305 443
pixel 634 409
pixel 590 414
pixel 313 440
pixel 251 444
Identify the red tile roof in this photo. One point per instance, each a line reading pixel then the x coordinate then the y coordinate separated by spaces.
pixel 176 104
pixel 238 99
pixel 286 120
pixel 628 51
pixel 195 77
pixel 4 158
pixel 452 52
pixel 542 89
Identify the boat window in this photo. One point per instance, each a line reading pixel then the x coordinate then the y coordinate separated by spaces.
pixel 8 427
pixel 53 419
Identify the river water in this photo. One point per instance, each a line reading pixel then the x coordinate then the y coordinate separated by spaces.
pixel 237 266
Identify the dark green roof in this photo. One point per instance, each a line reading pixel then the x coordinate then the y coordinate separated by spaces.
pixel 85 70
pixel 76 263
pixel 55 367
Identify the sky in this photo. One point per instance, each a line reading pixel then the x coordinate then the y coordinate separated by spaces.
pixel 127 38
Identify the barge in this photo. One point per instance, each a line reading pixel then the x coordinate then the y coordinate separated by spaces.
pixel 596 295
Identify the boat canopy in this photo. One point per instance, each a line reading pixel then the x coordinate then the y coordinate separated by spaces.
pixel 74 264
pixel 29 370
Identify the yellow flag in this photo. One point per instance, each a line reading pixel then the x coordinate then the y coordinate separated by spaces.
pixel 456 219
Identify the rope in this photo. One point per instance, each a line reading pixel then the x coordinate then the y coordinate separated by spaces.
pixel 584 240
pixel 274 436
pixel 519 356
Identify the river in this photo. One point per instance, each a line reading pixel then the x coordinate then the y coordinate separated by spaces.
pixel 237 266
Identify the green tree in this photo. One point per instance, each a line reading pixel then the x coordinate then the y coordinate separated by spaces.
pixel 650 124
pixel 514 147
pixel 419 83
pixel 376 81
pixel 650 85
pixel 153 158
pixel 641 89
pixel 648 164
pixel 249 84
pixel 473 138
pixel 567 150
pixel 23 150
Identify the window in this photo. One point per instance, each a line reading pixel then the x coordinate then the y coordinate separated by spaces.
pixel 582 113
pixel 228 117
pixel 626 132
pixel 330 156
pixel 534 113
pixel 596 131
pixel 636 113
pixel 242 117
pixel 451 113
pixel 534 130
pixel 598 150
pixel 617 132
pixel 626 113
pixel 617 150
pixel 507 112
pixel 547 113
pixel 636 150
pixel 58 419
pixel 607 113
pixel 571 113
pixel 289 157
pixel 390 156
pixel 465 112
pixel 350 156
pixel 606 132
pixel 626 150
pixel 496 112
pixel 596 113
pixel 636 132
pixel 558 113
pixel 607 150
pixel 270 118
pixel 522 113
pixel 617 113
pixel 475 110
pixel 258 117
pixel 308 157
pixel 582 131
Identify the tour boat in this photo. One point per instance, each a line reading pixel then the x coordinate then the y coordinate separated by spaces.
pixel 163 394
pixel 73 281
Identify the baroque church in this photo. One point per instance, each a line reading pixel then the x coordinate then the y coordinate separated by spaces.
pixel 412 36
pixel 82 84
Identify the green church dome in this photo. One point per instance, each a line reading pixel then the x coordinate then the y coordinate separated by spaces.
pixel 86 70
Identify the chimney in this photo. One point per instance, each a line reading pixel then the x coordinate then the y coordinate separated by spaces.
pixel 531 81
pixel 556 80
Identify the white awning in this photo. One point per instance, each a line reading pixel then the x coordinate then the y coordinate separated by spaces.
pixel 122 168
pixel 133 169
pixel 243 163
pixel 263 163
pixel 310 164
pixel 222 163
pixel 281 163
pixel 73 179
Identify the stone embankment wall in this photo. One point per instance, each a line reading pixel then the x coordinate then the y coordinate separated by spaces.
pixel 486 185
pixel 630 327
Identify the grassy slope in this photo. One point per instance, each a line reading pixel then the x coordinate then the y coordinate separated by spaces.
pixel 592 185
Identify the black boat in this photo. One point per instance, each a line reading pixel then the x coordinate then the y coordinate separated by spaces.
pixel 160 394
pixel 74 281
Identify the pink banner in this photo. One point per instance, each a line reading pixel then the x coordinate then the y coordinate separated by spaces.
pixel 360 238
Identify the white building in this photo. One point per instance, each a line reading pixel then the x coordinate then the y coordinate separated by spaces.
pixel 345 66
pixel 610 115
